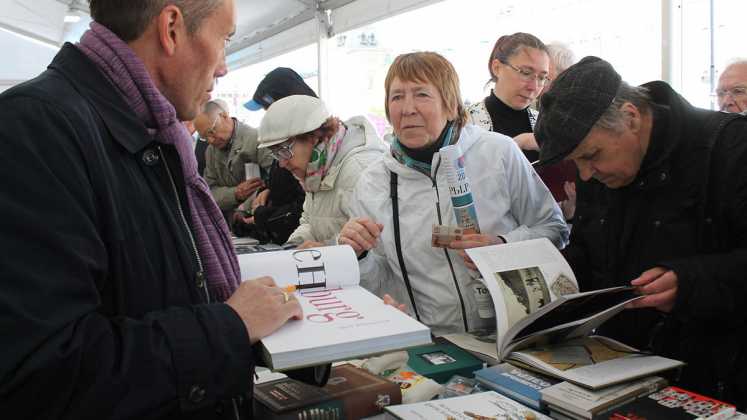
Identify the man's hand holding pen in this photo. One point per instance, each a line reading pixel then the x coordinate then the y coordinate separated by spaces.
pixel 264 307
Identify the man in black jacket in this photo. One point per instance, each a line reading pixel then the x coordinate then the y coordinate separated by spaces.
pixel 662 198
pixel 109 307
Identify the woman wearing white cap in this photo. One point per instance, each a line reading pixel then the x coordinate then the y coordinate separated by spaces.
pixel 325 154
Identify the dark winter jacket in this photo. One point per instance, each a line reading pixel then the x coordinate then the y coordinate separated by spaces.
pixel 101 313
pixel 275 221
pixel 686 211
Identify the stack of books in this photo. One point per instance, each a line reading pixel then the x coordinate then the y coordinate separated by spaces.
pixel 351 393
pixel 566 400
pixel 516 383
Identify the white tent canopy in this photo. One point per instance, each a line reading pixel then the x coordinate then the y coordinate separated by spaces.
pixel 32 31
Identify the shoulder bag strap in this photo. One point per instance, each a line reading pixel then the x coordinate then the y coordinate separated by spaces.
pixel 398 242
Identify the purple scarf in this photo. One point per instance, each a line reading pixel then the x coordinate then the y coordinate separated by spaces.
pixel 128 74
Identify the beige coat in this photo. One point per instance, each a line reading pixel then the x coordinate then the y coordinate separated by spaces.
pixel 224 169
pixel 323 214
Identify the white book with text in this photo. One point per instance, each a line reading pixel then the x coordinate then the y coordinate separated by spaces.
pixel 341 320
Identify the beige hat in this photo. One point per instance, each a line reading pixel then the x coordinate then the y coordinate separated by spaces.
pixel 291 116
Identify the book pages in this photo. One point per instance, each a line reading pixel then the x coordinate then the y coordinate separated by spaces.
pixel 522 277
pixel 585 402
pixel 339 324
pixel 341 320
pixel 483 405
pixel 306 269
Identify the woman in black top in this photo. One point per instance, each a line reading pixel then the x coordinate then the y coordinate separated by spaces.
pixel 519 66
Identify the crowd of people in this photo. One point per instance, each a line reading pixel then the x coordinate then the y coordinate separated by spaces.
pixel 121 292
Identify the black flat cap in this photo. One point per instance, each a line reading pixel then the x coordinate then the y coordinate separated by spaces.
pixel 276 85
pixel 572 105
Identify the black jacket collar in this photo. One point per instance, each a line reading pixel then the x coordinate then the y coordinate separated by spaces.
pixel 104 98
pixel 669 110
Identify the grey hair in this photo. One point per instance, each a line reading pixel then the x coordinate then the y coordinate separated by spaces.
pixel 212 108
pixel 734 62
pixel 613 118
pixel 561 56
pixel 128 19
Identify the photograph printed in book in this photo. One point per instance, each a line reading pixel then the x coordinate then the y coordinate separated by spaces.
pixel 544 324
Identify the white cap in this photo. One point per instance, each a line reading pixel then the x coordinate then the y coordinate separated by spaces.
pixel 291 116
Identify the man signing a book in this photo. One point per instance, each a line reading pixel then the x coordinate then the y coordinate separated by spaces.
pixel 661 202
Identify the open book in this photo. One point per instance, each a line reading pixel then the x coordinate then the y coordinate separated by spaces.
pixel 341 320
pixel 544 324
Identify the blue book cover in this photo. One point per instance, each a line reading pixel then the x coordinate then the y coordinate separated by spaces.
pixel 518 384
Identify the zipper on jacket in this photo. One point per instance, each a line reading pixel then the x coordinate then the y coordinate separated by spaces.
pixel 201 272
pixel 446 252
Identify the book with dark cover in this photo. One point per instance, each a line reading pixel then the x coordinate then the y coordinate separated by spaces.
pixel 516 383
pixel 350 393
pixel 672 403
pixel 442 361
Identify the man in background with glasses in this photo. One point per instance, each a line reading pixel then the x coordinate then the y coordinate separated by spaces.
pixel 732 88
pixel 232 144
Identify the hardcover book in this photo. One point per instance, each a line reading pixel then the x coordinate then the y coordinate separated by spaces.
pixel 672 403
pixel 442 361
pixel 483 405
pixel 351 393
pixel 516 383
pixel 544 324
pixel 341 320
pixel 582 403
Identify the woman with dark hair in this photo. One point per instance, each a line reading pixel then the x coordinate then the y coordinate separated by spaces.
pixel 399 198
pixel 519 67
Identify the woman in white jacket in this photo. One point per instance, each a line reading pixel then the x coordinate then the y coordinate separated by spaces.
pixel 424 107
pixel 325 154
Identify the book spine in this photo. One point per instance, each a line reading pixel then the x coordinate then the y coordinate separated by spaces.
pixel 536 404
pixel 605 413
pixel 328 410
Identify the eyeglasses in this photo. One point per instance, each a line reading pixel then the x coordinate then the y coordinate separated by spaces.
pixel 210 131
pixel 528 75
pixel 283 151
pixel 736 92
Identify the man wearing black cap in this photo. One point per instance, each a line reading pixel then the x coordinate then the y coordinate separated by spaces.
pixel 277 209
pixel 661 202
pixel 278 84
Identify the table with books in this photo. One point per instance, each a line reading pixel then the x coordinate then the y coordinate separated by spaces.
pixel 546 364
